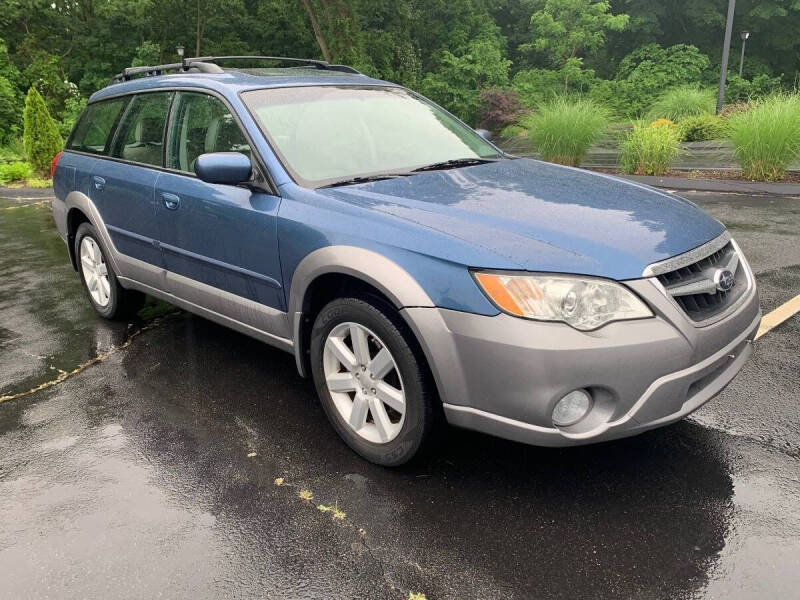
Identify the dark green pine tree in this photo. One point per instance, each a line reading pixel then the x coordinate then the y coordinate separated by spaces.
pixel 40 136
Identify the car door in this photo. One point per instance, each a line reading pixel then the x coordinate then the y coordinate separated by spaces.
pixel 123 188
pixel 219 242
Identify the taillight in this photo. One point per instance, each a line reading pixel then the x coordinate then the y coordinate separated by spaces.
pixel 54 164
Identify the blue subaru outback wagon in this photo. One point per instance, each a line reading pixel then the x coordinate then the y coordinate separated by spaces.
pixel 412 268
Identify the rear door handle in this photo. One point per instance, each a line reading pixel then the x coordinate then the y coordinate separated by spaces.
pixel 99 183
pixel 171 201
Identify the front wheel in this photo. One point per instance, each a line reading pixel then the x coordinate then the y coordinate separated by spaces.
pixel 371 380
pixel 108 297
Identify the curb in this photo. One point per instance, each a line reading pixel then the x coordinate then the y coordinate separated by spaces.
pixel 724 186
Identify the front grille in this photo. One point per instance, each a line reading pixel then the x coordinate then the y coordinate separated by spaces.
pixel 695 290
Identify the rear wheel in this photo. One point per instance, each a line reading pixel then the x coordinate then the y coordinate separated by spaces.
pixel 371 380
pixel 107 296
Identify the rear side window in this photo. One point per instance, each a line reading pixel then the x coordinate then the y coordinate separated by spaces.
pixel 140 135
pixel 201 123
pixel 93 131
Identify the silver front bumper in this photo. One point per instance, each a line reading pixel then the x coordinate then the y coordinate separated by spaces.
pixel 503 375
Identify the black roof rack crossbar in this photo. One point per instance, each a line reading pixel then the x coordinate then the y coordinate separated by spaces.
pixel 207 64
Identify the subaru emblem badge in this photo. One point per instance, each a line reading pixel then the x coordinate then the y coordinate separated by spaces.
pixel 724 280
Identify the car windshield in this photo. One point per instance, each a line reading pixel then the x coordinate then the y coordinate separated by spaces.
pixel 330 134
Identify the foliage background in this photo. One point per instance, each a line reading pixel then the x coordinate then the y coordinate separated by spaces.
pixel 621 53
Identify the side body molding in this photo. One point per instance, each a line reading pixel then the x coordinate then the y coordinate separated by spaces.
pixel 372 268
pixel 241 314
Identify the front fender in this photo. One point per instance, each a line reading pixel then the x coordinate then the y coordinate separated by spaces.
pixel 372 268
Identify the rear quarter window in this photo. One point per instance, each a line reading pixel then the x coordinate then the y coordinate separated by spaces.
pixel 94 129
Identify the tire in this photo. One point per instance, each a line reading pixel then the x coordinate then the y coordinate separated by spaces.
pixel 409 432
pixel 117 303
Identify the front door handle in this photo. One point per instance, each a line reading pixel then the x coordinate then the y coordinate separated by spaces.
pixel 171 201
pixel 99 183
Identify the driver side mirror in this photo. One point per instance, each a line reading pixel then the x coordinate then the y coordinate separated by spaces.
pixel 223 167
pixel 485 134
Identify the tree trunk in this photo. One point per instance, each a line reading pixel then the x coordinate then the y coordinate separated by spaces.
pixel 317 31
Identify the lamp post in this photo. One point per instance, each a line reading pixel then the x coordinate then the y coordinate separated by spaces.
pixel 179 50
pixel 745 35
pixel 726 50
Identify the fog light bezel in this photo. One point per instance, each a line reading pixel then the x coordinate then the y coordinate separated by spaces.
pixel 590 404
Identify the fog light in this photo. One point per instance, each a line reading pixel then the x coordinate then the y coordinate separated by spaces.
pixel 572 408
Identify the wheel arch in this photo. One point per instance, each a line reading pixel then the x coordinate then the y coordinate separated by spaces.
pixel 75 216
pixel 334 271
pixel 80 209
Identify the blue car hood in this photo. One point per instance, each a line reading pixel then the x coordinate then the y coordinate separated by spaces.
pixel 536 216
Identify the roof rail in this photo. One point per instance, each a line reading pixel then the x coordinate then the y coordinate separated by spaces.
pixel 207 64
pixel 319 64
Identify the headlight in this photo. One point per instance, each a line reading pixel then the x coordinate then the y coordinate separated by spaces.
pixel 583 303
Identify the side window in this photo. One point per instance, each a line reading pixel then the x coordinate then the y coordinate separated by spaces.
pixel 140 136
pixel 93 131
pixel 201 124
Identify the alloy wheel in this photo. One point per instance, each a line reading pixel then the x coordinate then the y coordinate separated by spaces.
pixel 95 271
pixel 364 382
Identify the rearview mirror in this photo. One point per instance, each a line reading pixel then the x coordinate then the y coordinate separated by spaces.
pixel 223 167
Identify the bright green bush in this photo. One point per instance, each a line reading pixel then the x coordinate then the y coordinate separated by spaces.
pixel 645 73
pixel 563 130
pixel 41 137
pixel 8 154
pixel 15 171
pixel 766 138
pixel 738 89
pixel 702 128
pixel 650 150
pixel 681 102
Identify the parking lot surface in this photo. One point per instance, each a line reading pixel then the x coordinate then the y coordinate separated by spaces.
pixel 167 457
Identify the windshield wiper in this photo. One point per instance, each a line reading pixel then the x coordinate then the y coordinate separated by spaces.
pixel 363 179
pixel 454 163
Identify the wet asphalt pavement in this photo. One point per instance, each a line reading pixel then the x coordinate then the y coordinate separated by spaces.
pixel 171 463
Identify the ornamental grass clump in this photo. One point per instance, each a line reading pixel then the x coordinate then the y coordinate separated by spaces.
pixel 649 150
pixel 563 130
pixel 766 138
pixel 681 102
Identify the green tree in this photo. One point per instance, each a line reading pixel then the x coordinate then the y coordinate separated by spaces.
pixel 9 111
pixel 147 53
pixel 645 73
pixel 458 82
pixel 41 138
pixel 565 29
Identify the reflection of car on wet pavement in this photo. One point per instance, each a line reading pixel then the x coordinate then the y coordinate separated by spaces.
pixel 407 263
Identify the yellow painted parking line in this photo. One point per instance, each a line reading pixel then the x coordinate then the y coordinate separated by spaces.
pixel 779 315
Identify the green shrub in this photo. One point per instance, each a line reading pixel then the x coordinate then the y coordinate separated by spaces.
pixel 645 73
pixel 38 182
pixel 701 128
pixel 9 154
pixel 738 89
pixel 563 130
pixel 650 150
pixel 682 102
pixel 15 171
pixel 41 137
pixel 10 114
pixel 766 138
